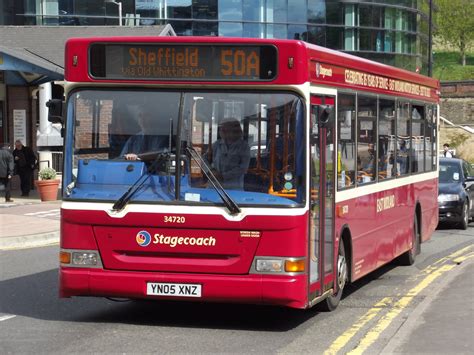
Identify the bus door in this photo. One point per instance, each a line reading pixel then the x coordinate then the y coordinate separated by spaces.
pixel 322 187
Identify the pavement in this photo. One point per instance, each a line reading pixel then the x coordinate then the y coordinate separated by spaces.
pixel 443 318
pixel 26 223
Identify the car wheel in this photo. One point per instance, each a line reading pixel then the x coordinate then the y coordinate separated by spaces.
pixel 408 258
pixel 465 215
pixel 332 301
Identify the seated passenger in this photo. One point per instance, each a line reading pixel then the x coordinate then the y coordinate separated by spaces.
pixel 230 155
pixel 368 167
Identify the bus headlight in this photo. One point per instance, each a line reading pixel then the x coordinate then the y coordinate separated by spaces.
pixel 448 197
pixel 80 258
pixel 269 265
pixel 84 258
pixel 276 265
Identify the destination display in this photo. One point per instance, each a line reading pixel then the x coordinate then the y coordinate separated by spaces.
pixel 182 62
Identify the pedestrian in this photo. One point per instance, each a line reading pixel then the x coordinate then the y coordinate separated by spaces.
pixel 6 170
pixel 448 153
pixel 25 160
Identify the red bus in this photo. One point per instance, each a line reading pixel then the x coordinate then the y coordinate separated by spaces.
pixel 240 170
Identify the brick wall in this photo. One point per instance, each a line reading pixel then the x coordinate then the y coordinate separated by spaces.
pixel 457 101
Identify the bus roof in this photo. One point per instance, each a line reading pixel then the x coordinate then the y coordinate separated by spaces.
pixel 296 62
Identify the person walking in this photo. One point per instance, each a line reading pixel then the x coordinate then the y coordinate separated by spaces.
pixel 6 170
pixel 25 160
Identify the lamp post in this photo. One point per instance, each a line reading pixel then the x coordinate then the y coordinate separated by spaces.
pixel 119 4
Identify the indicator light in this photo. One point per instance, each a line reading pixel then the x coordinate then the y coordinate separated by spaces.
pixel 294 265
pixel 64 257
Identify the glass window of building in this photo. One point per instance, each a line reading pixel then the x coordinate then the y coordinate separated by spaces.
pixel 317 35
pixel 276 31
pixel 386 141
pixel 350 33
pixel 230 29
pixel 334 15
pixel 335 37
pixel 277 11
pixel 298 11
pixel 370 16
pixel 205 9
pixel 253 30
pixel 182 28
pixel 403 138
pixel 206 28
pixel 346 142
pixel 298 32
pixel 316 11
pixel 179 9
pixel 149 11
pixel 366 142
pixel 253 10
pixel 230 10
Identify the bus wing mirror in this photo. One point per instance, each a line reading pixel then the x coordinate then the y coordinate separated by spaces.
pixel 325 115
pixel 55 111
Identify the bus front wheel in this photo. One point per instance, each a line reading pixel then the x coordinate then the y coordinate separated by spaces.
pixel 332 301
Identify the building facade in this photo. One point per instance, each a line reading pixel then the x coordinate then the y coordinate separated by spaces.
pixel 394 32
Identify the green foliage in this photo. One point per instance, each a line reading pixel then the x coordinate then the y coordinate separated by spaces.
pixel 47 174
pixel 454 24
pixel 458 139
pixel 446 66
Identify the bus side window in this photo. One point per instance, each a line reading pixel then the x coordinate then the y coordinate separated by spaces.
pixel 346 155
pixel 386 139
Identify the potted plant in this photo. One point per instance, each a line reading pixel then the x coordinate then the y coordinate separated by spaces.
pixel 47 184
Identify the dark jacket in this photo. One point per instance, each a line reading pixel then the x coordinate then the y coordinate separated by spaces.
pixel 26 158
pixel 6 163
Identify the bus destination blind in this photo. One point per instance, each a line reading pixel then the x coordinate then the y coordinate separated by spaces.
pixel 178 62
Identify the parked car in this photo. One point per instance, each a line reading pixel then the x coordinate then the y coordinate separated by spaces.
pixel 456 191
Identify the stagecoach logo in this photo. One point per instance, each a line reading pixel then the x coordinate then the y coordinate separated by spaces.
pixel 143 238
pixel 320 70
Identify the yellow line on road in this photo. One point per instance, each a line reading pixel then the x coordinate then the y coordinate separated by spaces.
pixel 398 307
pixel 342 340
pixel 433 272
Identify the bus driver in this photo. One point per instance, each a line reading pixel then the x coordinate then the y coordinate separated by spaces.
pixel 230 155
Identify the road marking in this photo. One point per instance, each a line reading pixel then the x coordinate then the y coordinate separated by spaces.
pixel 7 317
pixel 398 307
pixel 430 274
pixel 42 212
pixel 45 214
pixel 342 340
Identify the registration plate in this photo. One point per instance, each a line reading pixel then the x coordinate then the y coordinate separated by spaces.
pixel 171 289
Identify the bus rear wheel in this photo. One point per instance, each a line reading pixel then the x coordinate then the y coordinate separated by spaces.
pixel 331 302
pixel 408 258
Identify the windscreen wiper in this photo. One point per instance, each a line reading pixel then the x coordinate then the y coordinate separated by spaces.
pixel 132 190
pixel 229 203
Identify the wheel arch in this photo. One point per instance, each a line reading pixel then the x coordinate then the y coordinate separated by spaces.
pixel 419 217
pixel 346 239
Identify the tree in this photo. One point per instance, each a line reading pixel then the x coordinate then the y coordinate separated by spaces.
pixel 455 24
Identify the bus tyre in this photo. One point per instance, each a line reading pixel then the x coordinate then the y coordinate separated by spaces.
pixel 465 215
pixel 408 258
pixel 331 302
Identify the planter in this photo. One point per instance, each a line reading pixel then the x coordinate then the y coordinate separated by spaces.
pixel 48 189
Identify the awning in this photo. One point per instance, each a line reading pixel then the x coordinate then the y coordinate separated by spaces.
pixel 25 68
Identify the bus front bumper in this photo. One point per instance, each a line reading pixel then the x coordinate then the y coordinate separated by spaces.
pixel 282 290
